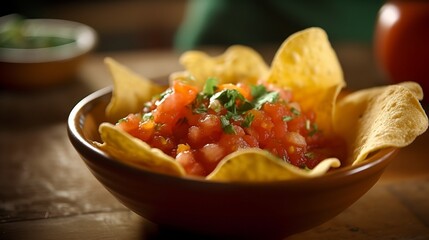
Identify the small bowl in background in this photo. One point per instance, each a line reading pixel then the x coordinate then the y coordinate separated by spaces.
pixel 30 68
pixel 239 209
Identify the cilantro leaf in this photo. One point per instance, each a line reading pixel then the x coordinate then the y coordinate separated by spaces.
pixel 248 119
pixel 314 130
pixel 287 118
pixel 267 97
pixel 258 90
pixel 295 111
pixel 167 92
pixel 226 125
pixel 210 86
pixel 147 116
pixel 201 109
pixel 228 98
pixel 246 106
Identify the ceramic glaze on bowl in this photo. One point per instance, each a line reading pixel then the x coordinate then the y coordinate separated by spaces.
pixel 261 210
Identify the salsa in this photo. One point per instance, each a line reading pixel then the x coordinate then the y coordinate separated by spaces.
pixel 199 128
pixel 14 35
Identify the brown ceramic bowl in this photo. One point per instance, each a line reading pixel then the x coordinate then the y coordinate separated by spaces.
pixel 31 68
pixel 275 209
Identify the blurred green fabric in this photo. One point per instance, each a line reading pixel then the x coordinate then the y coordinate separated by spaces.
pixel 259 22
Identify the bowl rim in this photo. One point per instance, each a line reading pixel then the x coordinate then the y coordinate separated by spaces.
pixel 85 37
pixel 89 151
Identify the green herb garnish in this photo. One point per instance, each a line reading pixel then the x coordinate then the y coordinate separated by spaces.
pixel 200 109
pixel 287 118
pixel 261 95
pixel 258 90
pixel 295 111
pixel 228 98
pixel 147 116
pixel 210 86
pixel 314 130
pixel 248 119
pixel 164 94
pixel 235 103
pixel 226 125
pixel 267 97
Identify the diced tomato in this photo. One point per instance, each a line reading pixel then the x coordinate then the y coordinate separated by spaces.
pixel 195 134
pixel 280 129
pixel 170 110
pixel 251 141
pixel 277 148
pixel 245 90
pixel 211 125
pixel 130 123
pixel 295 139
pixel 173 106
pixel 146 130
pixel 199 134
pixel 297 124
pixel 238 131
pixel 211 154
pixel 180 132
pixel 232 142
pixel 296 155
pixel 187 92
pixel 261 127
pixel 191 166
pixel 276 111
pixel 166 144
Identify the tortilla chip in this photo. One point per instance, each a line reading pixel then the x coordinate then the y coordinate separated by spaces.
pixel 238 63
pixel 307 64
pixel 130 91
pixel 133 151
pixel 382 117
pixel 256 165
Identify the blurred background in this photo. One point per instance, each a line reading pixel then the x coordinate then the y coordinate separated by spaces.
pixel 181 24
pixel 120 24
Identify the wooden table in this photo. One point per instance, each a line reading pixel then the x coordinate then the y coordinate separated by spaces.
pixel 46 191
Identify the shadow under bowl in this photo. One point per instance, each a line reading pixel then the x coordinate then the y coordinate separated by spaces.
pixel 31 68
pixel 267 210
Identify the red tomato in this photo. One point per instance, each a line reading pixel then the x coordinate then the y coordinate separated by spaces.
pixel 173 106
pixel 195 134
pixel 276 111
pixel 232 142
pixel 402 41
pixel 166 144
pixel 130 123
pixel 261 127
pixel 191 166
pixel 211 154
pixel 212 127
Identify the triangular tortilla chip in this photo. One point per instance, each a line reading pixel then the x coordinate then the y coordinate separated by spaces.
pixel 237 63
pixel 130 91
pixel 382 117
pixel 256 165
pixel 135 152
pixel 307 64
